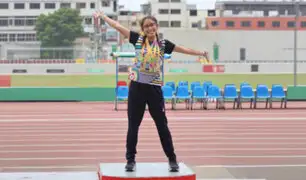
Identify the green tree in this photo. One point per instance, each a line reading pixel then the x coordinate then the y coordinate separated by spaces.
pixel 59 29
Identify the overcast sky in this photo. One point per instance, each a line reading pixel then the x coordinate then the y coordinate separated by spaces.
pixel 135 4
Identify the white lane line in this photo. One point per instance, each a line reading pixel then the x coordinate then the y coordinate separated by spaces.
pixel 152 157
pixel 55 134
pixel 149 150
pixel 252 166
pixel 172 119
pixel 153 130
pixel 206 127
pixel 148 139
pixel 149 144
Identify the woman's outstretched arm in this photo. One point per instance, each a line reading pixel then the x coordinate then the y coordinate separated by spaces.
pixel 114 24
pixel 181 49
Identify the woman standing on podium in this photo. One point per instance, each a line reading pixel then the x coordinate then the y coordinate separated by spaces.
pixel 145 86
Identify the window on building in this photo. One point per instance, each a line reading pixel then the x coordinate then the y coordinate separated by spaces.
pixel 88 20
pixel 21 37
pixel 163 1
pixel 19 6
pixel 3 37
pixel 245 23
pixel 12 37
pixel 211 13
pixel 19 21
pixel 65 5
pixel 175 11
pixel 175 23
pixel 4 21
pixel 275 24
pixel 4 5
pixel 105 3
pixel 163 11
pixel 303 24
pixel 80 5
pixel 31 20
pixel 49 6
pixel 261 24
pixel 163 23
pixel 176 1
pixel 193 13
pixel 92 5
pixel 34 5
pixel 215 23
pixel 194 25
pixel 291 24
pixel 230 23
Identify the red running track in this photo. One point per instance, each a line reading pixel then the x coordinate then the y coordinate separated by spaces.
pixel 78 136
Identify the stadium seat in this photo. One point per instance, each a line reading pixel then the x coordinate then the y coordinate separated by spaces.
pixel 246 92
pixel 277 92
pixel 194 84
pixel 168 94
pixel 198 95
pixel 122 94
pixel 183 94
pixel 206 84
pixel 171 84
pixel 262 92
pixel 230 92
pixel 214 92
pixel 183 83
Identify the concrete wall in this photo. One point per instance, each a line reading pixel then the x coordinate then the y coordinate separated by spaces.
pixel 231 68
pixel 259 45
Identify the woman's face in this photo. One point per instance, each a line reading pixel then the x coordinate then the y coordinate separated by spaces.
pixel 150 28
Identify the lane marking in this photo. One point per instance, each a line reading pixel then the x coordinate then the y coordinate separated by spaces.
pixel 149 150
pixel 176 119
pixel 153 130
pixel 55 134
pixel 149 144
pixel 151 157
pixel 152 138
pixel 252 166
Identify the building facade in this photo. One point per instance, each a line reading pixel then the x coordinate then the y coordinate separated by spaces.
pixel 17 19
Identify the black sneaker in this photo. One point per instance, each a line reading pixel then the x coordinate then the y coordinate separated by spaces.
pixel 130 166
pixel 173 166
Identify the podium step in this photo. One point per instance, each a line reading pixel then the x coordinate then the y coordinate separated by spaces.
pixel 144 171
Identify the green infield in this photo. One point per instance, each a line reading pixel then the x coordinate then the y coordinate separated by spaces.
pixel 109 80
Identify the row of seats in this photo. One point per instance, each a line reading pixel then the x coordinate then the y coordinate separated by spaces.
pixel 207 92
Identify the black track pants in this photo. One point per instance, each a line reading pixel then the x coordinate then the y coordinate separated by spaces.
pixel 140 95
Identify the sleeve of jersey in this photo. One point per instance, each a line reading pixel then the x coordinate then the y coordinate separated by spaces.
pixel 169 47
pixel 133 37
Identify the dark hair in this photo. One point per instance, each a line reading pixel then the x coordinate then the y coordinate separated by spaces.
pixel 141 24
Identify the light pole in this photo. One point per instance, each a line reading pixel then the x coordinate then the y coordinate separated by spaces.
pixel 297 12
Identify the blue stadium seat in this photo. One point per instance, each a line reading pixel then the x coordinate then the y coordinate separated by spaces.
pixel 246 92
pixel 206 84
pixel 198 95
pixel 122 93
pixel 230 92
pixel 183 94
pixel 171 84
pixel 277 92
pixel 168 94
pixel 194 84
pixel 262 92
pixel 214 92
pixel 183 83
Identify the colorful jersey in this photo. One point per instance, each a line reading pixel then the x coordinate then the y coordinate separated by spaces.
pixel 149 61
